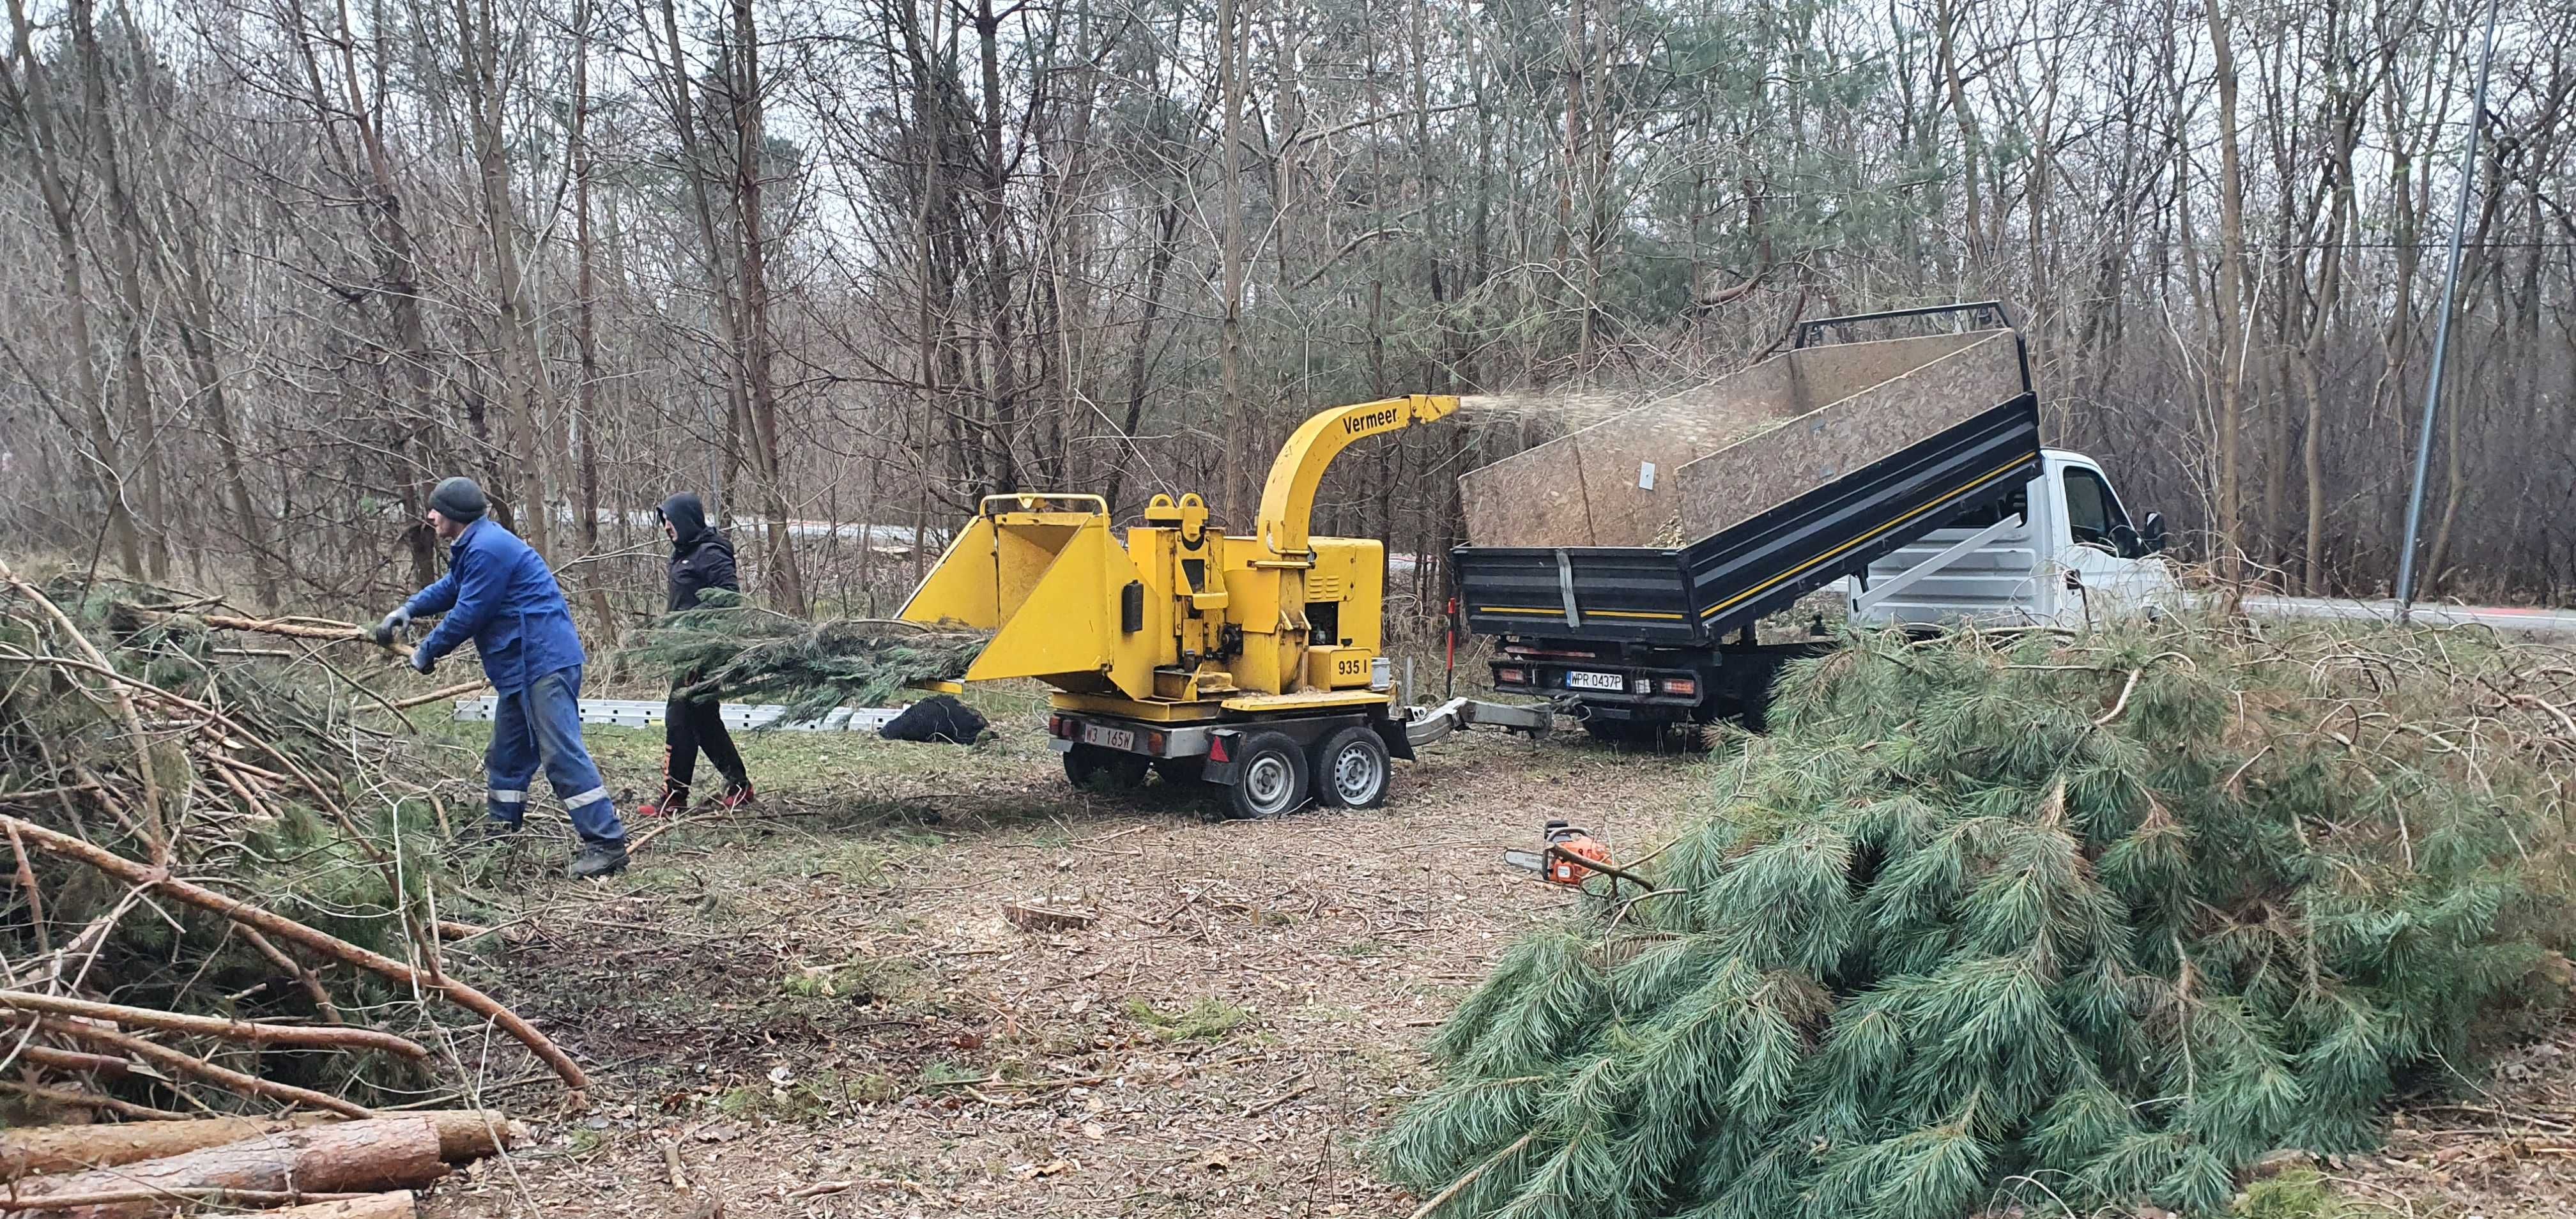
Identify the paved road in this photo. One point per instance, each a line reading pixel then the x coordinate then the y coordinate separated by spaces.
pixel 2539 621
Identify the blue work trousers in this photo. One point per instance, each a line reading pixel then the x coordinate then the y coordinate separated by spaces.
pixel 540 726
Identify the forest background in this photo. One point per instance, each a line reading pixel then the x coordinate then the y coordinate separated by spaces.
pixel 274 266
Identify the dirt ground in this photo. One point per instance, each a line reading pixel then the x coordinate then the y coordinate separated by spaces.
pixel 823 1011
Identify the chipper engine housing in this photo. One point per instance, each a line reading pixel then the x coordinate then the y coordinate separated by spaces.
pixel 1251 661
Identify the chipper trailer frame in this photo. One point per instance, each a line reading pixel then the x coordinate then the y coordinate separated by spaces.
pixel 1249 662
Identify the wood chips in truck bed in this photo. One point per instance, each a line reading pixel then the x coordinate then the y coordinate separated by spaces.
pixel 1687 466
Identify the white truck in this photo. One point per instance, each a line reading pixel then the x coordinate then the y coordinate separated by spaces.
pixel 2063 550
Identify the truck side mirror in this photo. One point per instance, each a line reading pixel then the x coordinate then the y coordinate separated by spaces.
pixel 2151 538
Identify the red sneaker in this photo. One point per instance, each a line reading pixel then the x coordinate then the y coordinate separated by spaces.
pixel 669 804
pixel 735 796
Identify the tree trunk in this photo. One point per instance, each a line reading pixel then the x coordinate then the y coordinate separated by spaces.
pixel 124 244
pixel 58 1149
pixel 398 275
pixel 33 104
pixel 524 391
pixel 350 1157
pixel 1230 420
pixel 2312 347
pixel 726 309
pixel 586 322
pixel 2231 299
pixel 463 1134
pixel 195 322
pixel 786 584
pixel 1971 139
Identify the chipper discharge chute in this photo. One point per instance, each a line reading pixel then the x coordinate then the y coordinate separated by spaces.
pixel 1247 661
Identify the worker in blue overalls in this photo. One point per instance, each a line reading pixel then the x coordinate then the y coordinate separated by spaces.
pixel 500 593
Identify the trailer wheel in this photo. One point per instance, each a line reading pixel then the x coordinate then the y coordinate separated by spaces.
pixel 1087 764
pixel 1351 769
pixel 1272 779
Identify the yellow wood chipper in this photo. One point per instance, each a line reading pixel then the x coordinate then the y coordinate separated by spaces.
pixel 1248 662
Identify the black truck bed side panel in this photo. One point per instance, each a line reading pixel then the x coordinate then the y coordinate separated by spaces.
pixel 1699 594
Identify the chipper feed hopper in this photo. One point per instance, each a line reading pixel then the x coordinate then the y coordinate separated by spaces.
pixel 1251 662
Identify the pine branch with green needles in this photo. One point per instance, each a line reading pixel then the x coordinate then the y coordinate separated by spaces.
pixel 731 650
pixel 2075 924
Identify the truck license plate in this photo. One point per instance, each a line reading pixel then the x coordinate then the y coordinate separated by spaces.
pixel 1113 738
pixel 1595 681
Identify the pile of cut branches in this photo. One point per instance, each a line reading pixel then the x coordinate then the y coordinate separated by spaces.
pixel 2063 923
pixel 215 896
pixel 731 650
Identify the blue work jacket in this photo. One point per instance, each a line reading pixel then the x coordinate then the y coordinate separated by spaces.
pixel 500 593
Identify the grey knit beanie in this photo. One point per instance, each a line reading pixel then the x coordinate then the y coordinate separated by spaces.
pixel 459 500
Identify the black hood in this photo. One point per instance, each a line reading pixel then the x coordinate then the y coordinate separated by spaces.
pixel 688 518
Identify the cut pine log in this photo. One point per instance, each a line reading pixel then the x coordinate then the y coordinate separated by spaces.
pixel 347 1157
pixel 72 1148
pixel 463 1135
pixel 472 1134
pixel 398 1205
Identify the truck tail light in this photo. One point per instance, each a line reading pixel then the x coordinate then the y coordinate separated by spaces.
pixel 1154 742
pixel 1687 687
pixel 1060 726
pixel 1512 677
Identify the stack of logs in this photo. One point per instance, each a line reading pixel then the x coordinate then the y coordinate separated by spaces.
pixel 310 1167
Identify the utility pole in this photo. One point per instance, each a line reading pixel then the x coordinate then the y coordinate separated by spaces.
pixel 2442 326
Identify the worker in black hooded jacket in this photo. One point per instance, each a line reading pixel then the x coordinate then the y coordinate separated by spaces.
pixel 701 559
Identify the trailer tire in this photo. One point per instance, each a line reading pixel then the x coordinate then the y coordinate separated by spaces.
pixel 1351 770
pixel 1086 765
pixel 1272 778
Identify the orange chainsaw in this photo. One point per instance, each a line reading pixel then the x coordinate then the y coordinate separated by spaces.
pixel 1570 856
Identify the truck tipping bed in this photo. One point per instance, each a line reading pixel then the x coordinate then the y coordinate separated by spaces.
pixel 1912 433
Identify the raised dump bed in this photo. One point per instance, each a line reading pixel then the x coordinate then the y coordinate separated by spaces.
pixel 1678 522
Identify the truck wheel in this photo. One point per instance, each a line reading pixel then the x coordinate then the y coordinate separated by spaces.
pixel 1351 769
pixel 1087 764
pixel 1272 781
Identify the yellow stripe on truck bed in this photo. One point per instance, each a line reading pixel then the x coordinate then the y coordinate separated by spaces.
pixel 1864 539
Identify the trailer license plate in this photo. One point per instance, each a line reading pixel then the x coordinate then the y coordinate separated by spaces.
pixel 1595 681
pixel 1113 738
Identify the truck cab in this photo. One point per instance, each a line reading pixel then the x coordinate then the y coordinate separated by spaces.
pixel 2062 551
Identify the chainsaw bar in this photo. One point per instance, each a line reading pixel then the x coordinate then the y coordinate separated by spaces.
pixel 1529 861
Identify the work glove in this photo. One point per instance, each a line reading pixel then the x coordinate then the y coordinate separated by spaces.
pixel 394 622
pixel 421 660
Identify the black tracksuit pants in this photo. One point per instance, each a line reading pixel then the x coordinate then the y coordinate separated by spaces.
pixel 688 727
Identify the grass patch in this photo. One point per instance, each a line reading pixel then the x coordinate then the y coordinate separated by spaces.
pixel 1207 1019
pixel 941 1073
pixel 2300 1193
pixel 818 1098
pixel 859 980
